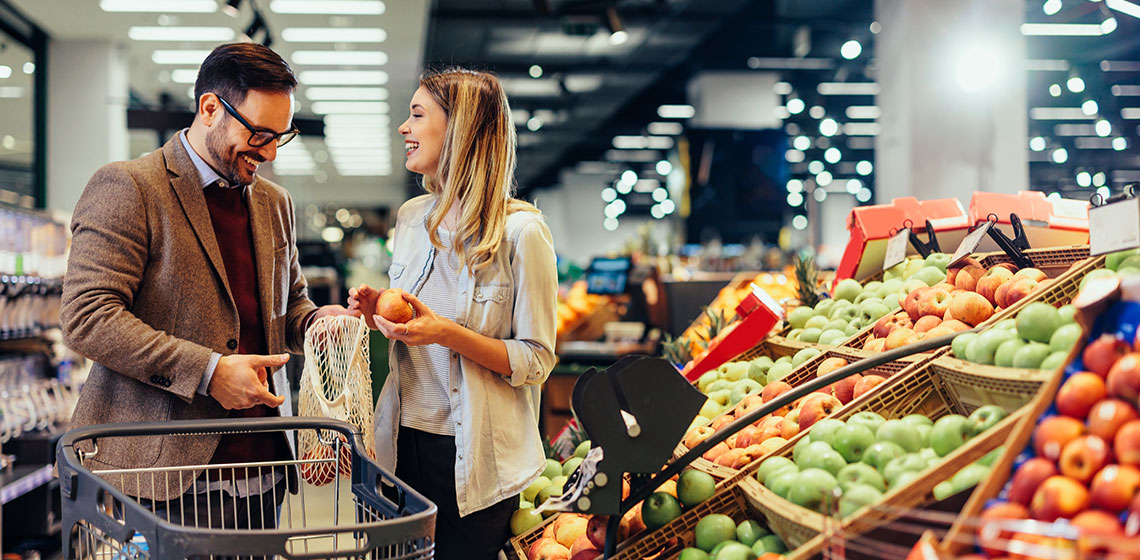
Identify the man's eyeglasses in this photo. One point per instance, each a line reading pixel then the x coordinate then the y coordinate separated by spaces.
pixel 259 138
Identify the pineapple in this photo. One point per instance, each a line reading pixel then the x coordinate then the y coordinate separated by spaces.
pixel 807 276
pixel 677 350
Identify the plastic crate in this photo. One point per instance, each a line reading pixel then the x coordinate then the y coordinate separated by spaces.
pixel 1053 261
pixel 918 391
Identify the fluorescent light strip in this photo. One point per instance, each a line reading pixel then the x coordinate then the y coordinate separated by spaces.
pixel 343 77
pixel 183 76
pixel 5 71
pixel 676 111
pixel 11 92
pixel 848 88
pixel 1046 65
pixel 1120 66
pixel 632 155
pixel 1124 7
pixel 331 7
pixel 339 58
pixel 1074 130
pixel 350 107
pixel 333 35
pixel 164 6
pixel 1130 113
pixel 1092 143
pixel 862 129
pixel 178 57
pixel 757 63
pixel 1123 90
pixel 863 112
pixel 1062 29
pixel 211 34
pixel 346 93
pixel 665 128
pixel 356 121
pixel 1059 114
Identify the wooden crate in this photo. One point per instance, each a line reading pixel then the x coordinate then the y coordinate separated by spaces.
pixel 918 391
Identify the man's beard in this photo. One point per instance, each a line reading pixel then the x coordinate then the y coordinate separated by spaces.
pixel 228 168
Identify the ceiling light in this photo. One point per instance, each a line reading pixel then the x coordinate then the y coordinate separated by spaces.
pixel 194 57
pixel 1060 155
pixel 334 35
pixel 665 128
pixel 183 76
pixel 832 155
pixel 1124 7
pixel 346 93
pixel 823 179
pixel 1084 179
pixel 609 194
pixel 660 194
pixel 1051 7
pixel 163 6
pixel 815 167
pixel 1062 29
pixel 864 167
pixel 1047 65
pixel 863 112
pixel 1055 90
pixel 1119 144
pixel 676 111
pixel 533 124
pixel 160 33
pixel 29 67
pixel 663 167
pixel 851 49
pixel 1037 144
pixel 795 105
pixel 343 77
pixel 350 107
pixel 1104 192
pixel 610 224
pixel 5 71
pixel 782 88
pixel 795 185
pixel 828 127
pixel 862 129
pixel 656 212
pixel 1130 112
pixel 863 195
pixel 816 112
pixel 535 71
pixel 629 177
pixel 668 206
pixel 332 7
pixel 1075 84
pixel 875 27
pixel 794 156
pixel 854 186
pixel 1089 107
pixel 1103 127
pixel 795 199
pixel 801 143
pixel 1058 114
pixel 848 88
pixel 977 68
pixel 339 58
pixel 1108 25
pixel 619 38
pixel 756 63
pixel 1099 178
pixel 800 222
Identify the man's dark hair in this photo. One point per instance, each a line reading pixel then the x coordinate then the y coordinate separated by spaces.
pixel 231 70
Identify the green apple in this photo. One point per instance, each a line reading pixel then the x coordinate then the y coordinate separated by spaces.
pixel 758 369
pixel 1037 322
pixel 1003 356
pixel 712 530
pixel 783 360
pixel 890 287
pixel 856 497
pixel 913 265
pixel 930 275
pixel 901 433
pixel 1031 355
pixel 990 458
pixel 781 482
pixel 910 285
pixel 819 456
pixel 960 343
pixel 981 350
pixel 1068 313
pixel 846 313
pixel 824 307
pixel 547 492
pixel 985 417
pixel 721 396
pixel 832 337
pixel 813 488
pixel 969 476
pixel 711 409
pixel 1093 275
pixel 799 316
pixel 778 371
pixel 1112 260
pixel 770 543
pixel 852 329
pixel 866 295
pixel 531 492
pixel 523 520
pixel 658 509
pixel 816 322
pixel 892 301
pixel 694 487
pixel 895 272
pixel 770 466
pixel 801 446
pixel 824 431
pixel 924 433
pixel 570 465
pixel 733 550
pixel 804 355
pixel 742 389
pixel 939 260
pixel 523 504
pixel 735 371
pixel 836 325
pixel 873 311
pixel 690 553
pixel 749 531
pixel 860 473
pixel 911 462
pixel 1007 324
pixel 868 419
pixel 1054 361
pixel 1065 337
pixel 706 379
pixel 882 452
pixel 848 289
pixel 852 440
pixel 873 286
pixel 810 334
pixel 552 469
pixel 943 490
pixel 949 433
pixel 917 420
pixel 718 385
pixel 930 456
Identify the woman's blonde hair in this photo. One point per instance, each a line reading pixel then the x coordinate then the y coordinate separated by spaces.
pixel 476 163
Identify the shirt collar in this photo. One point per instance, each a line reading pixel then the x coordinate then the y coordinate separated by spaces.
pixel 205 173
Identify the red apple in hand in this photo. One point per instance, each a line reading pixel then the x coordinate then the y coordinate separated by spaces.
pixel 1054 433
pixel 970 308
pixel 1124 377
pixel 1083 457
pixel 1107 416
pixel 1058 497
pixel 392 306
pixel 1102 353
pixel 1028 478
pixel 1079 393
pixel 1114 487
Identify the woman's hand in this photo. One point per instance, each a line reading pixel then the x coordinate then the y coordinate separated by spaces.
pixel 363 299
pixel 425 328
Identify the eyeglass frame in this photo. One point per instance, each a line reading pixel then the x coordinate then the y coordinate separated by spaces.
pixel 294 131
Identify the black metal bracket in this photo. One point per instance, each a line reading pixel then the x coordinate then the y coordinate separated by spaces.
pixel 1015 247
pixel 924 248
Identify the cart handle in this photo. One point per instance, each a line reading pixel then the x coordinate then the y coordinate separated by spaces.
pixel 206 426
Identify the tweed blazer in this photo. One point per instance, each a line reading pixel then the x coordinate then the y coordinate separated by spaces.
pixel 146 298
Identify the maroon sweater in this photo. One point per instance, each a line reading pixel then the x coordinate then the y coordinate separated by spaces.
pixel 230 217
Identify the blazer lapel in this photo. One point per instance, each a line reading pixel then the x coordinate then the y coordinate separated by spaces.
pixel 261 224
pixel 187 186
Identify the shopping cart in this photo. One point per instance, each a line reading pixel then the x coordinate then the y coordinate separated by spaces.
pixel 386 519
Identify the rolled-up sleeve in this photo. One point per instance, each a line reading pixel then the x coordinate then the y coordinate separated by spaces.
pixel 531 347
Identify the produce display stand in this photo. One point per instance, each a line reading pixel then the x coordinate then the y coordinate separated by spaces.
pixel 1048 223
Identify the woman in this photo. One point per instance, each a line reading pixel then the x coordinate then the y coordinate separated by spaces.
pixel 458 415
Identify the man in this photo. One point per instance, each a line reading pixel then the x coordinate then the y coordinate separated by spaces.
pixel 183 287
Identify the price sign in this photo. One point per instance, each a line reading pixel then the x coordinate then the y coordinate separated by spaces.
pixel 970 243
pixel 896 248
pixel 1114 227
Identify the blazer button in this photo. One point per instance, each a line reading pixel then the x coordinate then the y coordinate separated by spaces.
pixel 231 344
pixel 156 380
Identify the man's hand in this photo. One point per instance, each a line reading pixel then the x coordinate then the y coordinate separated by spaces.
pixel 240 381
pixel 333 310
pixel 363 300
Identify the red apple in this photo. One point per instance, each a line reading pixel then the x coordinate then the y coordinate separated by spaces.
pixel 829 365
pixel 1083 457
pixel 970 308
pixel 716 451
pixel 991 281
pixel 697 435
pixel 1018 288
pixel 1124 377
pixel 748 404
pixel 816 407
pixel 587 554
pixel 1102 353
pixel 844 389
pixel 1054 433
pixel 1126 444
pixel 952 272
pixel 1079 393
pixel 1107 416
pixel 926 323
pixel 747 436
pixel 1098 530
pixel 1059 497
pixel 933 301
pixel 992 536
pixel 1000 294
pixel 318 473
pixel 865 384
pixel 1033 273
pixel 596 530
pixel 898 338
pixel 888 323
pixel 940 330
pixel 1114 487
pixel 773 390
pixel 791 424
pixel 583 544
pixel 967 278
pixel 876 345
pixel 956 325
pixel 1028 478
pixel 910 303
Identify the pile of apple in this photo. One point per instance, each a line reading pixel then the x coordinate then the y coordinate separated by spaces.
pixel 854 307
pixel 1086 463
pixel 774 430
pixel 718 537
pixel 730 383
pixel 548 484
pixel 1039 338
pixel 967 296
pixel 867 456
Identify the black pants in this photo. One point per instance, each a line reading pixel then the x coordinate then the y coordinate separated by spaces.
pixel 427 463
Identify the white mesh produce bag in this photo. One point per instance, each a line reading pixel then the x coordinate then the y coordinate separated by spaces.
pixel 335 383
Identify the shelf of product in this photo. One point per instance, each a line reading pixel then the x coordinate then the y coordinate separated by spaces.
pixel 583 316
